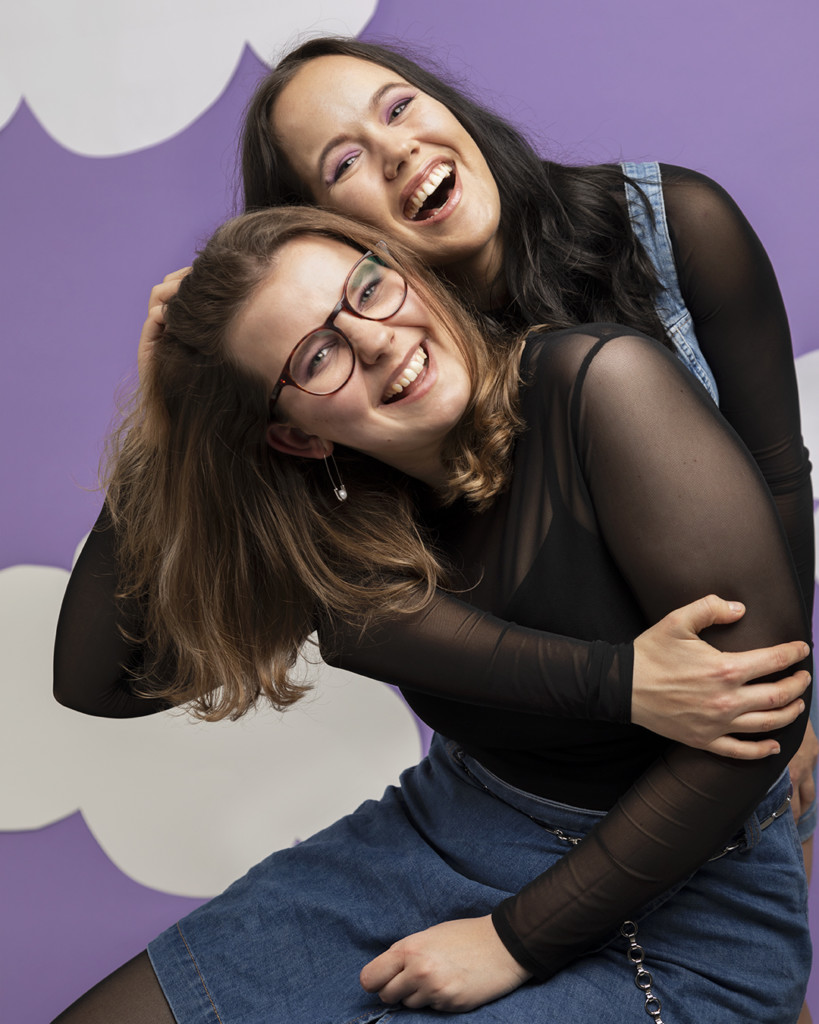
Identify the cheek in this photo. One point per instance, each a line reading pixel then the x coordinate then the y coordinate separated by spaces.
pixel 364 199
pixel 335 417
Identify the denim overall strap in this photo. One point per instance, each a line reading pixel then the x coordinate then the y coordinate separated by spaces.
pixel 669 304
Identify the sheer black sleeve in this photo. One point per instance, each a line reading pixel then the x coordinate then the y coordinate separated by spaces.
pixel 731 291
pixel 454 650
pixel 92 659
pixel 683 511
pixel 450 649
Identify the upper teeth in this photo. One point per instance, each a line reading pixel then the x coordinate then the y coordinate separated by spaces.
pixel 426 188
pixel 408 374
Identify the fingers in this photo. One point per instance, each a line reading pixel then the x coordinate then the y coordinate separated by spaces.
pixel 177 275
pixel 154 325
pixel 743 750
pixel 393 986
pixel 162 293
pixel 758 721
pixel 380 971
pixel 801 768
pixel 708 611
pixel 748 665
pixel 803 796
pixel 770 697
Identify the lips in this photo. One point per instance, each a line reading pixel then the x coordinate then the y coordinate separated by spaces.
pixel 402 382
pixel 431 192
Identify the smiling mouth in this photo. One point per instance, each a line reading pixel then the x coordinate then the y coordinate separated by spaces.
pixel 432 194
pixel 402 384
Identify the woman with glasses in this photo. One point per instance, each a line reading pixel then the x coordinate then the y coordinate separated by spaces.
pixel 322 435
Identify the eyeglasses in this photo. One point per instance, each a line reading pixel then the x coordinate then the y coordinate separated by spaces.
pixel 324 360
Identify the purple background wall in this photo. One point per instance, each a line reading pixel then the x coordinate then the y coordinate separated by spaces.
pixel 726 86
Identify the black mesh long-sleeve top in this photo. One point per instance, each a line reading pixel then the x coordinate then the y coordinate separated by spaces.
pixel 630 496
pixel 455 649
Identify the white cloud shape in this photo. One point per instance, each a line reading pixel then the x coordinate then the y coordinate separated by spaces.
pixel 111 76
pixel 807 375
pixel 179 805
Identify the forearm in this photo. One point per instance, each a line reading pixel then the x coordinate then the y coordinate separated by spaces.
pixel 94 662
pixel 454 650
pixel 682 811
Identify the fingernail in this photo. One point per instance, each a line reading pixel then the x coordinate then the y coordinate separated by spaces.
pixel 775 751
pixel 735 606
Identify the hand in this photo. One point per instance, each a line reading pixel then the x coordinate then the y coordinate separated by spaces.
pixel 801 767
pixel 454 967
pixel 694 694
pixel 155 324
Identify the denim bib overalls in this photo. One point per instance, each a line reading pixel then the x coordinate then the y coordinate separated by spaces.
pixel 669 304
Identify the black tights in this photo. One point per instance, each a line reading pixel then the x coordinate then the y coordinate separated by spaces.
pixel 131 995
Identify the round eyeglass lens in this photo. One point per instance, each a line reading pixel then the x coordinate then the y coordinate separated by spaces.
pixel 374 291
pixel 322 362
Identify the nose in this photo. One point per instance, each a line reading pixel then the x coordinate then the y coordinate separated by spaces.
pixel 371 339
pixel 397 151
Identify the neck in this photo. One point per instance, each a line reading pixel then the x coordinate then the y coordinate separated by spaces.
pixel 480 279
pixel 424 466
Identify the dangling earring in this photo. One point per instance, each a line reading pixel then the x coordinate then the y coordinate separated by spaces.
pixel 339 489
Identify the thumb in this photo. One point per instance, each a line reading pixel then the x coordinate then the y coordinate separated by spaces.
pixel 708 611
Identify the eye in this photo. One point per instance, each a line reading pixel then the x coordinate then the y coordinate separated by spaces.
pixel 368 295
pixel 320 357
pixel 315 356
pixel 397 109
pixel 365 287
pixel 342 167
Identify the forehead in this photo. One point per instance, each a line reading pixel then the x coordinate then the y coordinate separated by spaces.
pixel 308 273
pixel 326 95
pixel 296 296
pixel 332 81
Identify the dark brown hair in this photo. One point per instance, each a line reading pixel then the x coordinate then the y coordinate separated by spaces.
pixel 569 253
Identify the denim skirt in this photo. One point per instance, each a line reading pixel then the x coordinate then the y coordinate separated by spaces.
pixel 285 944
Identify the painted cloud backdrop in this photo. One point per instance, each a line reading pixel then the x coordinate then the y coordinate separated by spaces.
pixel 132 74
pixel 177 805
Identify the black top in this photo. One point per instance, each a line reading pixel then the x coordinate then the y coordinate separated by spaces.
pixel 630 496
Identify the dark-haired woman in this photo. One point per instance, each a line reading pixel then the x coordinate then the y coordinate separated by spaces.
pixel 559 491
pixel 363 129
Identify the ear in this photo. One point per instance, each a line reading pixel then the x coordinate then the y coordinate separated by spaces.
pixel 292 441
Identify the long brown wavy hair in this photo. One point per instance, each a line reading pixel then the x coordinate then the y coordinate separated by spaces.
pixel 234 552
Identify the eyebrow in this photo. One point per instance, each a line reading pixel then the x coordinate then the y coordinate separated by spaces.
pixel 375 101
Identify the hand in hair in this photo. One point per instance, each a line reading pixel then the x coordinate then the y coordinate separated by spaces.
pixel 697 695
pixel 155 323
pixel 453 967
